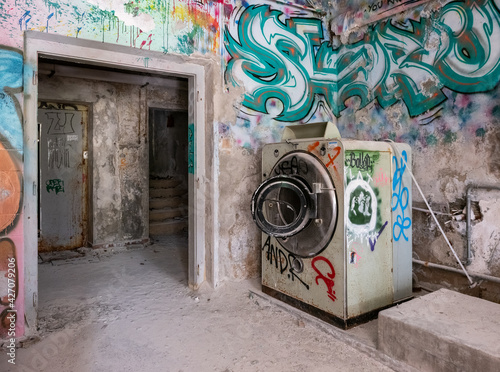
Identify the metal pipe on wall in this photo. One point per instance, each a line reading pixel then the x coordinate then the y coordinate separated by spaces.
pixel 468 212
pixel 452 269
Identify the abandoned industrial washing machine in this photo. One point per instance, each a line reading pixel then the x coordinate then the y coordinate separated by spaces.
pixel 335 216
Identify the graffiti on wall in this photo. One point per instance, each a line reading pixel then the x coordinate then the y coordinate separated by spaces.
pixel 9 291
pixel 10 190
pixel 191 149
pixel 11 234
pixel 289 69
pixel 357 13
pixel 182 26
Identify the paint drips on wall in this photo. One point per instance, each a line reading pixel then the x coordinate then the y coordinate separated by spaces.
pixel 180 26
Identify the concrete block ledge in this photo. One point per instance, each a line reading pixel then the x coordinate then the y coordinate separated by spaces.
pixel 443 331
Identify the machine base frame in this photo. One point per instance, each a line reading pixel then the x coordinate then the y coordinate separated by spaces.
pixel 325 316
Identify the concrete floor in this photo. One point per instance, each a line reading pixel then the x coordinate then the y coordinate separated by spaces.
pixel 131 310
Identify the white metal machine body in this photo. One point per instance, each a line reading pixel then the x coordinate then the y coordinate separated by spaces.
pixel 335 217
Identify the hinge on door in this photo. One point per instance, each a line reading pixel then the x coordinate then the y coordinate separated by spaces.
pixel 35 299
pixel 35 78
pixel 34 188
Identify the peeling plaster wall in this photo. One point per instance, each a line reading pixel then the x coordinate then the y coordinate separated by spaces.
pixel 120 179
pixel 239 176
pixel 169 99
pixel 240 133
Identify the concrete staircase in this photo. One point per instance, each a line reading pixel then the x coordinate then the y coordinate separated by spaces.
pixel 168 207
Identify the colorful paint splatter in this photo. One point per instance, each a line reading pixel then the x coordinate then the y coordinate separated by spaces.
pixel 180 26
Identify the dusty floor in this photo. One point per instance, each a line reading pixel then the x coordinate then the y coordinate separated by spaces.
pixel 131 310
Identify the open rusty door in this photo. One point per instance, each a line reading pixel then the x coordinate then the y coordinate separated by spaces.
pixel 63 176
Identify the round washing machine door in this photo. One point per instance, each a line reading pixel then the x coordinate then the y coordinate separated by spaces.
pixel 298 204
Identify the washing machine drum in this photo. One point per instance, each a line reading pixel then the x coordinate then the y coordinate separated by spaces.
pixel 297 204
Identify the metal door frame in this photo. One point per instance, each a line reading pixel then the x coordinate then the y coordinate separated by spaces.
pixel 88 52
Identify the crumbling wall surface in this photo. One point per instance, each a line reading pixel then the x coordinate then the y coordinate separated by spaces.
pixel 174 98
pixel 239 240
pixel 444 172
pixel 106 203
pixel 133 155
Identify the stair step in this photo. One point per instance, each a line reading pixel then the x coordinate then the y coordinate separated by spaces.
pixel 167 227
pixel 158 215
pixel 166 193
pixel 161 203
pixel 164 183
pixel 443 331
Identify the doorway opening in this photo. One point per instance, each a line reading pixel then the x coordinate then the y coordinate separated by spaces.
pixel 149 151
pixel 122 60
pixel 168 173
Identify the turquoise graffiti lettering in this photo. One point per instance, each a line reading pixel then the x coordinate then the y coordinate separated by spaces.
pixel 289 69
pixel 275 60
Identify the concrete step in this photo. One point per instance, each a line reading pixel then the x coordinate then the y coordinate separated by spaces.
pixel 166 193
pixel 158 215
pixel 443 331
pixel 164 183
pixel 167 227
pixel 162 203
